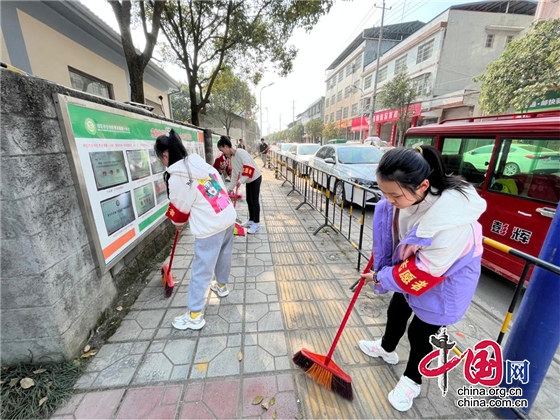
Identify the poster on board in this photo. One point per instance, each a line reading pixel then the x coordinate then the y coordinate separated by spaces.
pixel 120 178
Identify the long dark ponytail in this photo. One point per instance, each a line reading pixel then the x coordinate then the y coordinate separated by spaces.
pixel 172 144
pixel 408 167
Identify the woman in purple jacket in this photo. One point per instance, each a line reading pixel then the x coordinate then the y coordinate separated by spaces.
pixel 427 249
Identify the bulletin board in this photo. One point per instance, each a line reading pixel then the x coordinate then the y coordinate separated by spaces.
pixel 120 178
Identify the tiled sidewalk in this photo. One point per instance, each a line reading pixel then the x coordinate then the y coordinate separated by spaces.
pixel 289 289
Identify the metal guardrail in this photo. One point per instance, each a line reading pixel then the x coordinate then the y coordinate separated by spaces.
pixel 330 196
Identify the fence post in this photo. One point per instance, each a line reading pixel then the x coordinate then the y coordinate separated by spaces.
pixel 535 335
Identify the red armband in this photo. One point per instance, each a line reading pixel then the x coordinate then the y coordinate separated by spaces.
pixel 412 280
pixel 248 171
pixel 176 215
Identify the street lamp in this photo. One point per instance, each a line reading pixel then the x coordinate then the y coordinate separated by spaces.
pixel 260 106
pixel 361 108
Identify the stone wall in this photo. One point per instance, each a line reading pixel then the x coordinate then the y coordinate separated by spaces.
pixel 51 293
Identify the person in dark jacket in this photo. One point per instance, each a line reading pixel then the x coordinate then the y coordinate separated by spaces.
pixel 263 151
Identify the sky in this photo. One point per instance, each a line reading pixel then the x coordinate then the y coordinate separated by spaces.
pixel 289 96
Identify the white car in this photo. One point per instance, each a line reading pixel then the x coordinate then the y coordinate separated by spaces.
pixel 522 158
pixel 300 153
pixel 349 162
pixel 282 149
pixel 377 142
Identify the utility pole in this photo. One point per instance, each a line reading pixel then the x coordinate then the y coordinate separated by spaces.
pixel 374 94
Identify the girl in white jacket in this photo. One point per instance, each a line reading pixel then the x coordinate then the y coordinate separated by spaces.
pixel 197 193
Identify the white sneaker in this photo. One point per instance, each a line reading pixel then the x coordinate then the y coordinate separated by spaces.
pixel 406 390
pixel 254 228
pixel 374 349
pixel 247 224
pixel 220 291
pixel 185 322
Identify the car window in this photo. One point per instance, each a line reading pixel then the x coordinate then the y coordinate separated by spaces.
pixel 308 149
pixel 286 146
pixel 330 153
pixel 461 157
pixel 533 171
pixel 359 155
pixel 322 153
pixel 293 149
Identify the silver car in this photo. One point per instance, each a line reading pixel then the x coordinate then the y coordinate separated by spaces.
pixel 356 163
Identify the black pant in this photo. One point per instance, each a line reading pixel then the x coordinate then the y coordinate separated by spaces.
pixel 419 333
pixel 253 189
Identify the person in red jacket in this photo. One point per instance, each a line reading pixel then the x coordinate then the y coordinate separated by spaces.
pixel 223 165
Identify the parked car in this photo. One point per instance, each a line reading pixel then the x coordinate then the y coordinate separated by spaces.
pixel 380 144
pixel 522 158
pixel 282 149
pixel 349 162
pixel 336 141
pixel 301 152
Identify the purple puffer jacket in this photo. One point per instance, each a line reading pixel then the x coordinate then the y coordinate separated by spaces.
pixel 445 303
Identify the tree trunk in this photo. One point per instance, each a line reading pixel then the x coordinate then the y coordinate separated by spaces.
pixel 136 74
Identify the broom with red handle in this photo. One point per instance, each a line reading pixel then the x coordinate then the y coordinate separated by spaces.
pixel 166 276
pixel 321 368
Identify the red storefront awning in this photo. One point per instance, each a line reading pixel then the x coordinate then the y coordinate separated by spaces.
pixel 393 114
pixel 359 124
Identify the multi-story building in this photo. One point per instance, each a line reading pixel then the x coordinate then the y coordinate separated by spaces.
pixel 315 111
pixel 65 42
pixel 344 84
pixel 444 56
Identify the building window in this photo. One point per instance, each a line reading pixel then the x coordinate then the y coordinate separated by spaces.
pixel 354 109
pixel 347 91
pixel 90 84
pixel 348 70
pixel 332 116
pixel 509 38
pixel 382 74
pixel 340 76
pixel 345 112
pixel 400 64
pixel 339 96
pixel 489 41
pixel 338 113
pixel 367 82
pixel 358 63
pixel 332 100
pixel 425 51
pixel 157 107
pixel 422 84
pixel 327 104
pixel 326 119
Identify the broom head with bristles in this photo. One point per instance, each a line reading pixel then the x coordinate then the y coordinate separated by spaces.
pixel 325 372
pixel 167 280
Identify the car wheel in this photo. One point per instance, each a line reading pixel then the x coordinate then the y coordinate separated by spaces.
pixel 511 169
pixel 339 193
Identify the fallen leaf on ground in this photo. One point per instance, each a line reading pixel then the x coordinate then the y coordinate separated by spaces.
pixel 38 371
pixel 119 308
pixel 240 355
pixel 90 353
pixel 42 401
pixel 299 416
pixel 13 382
pixel 27 383
pixel 460 334
pixel 258 399
pixel 87 348
pixel 272 401
pixel 274 415
pixel 264 405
